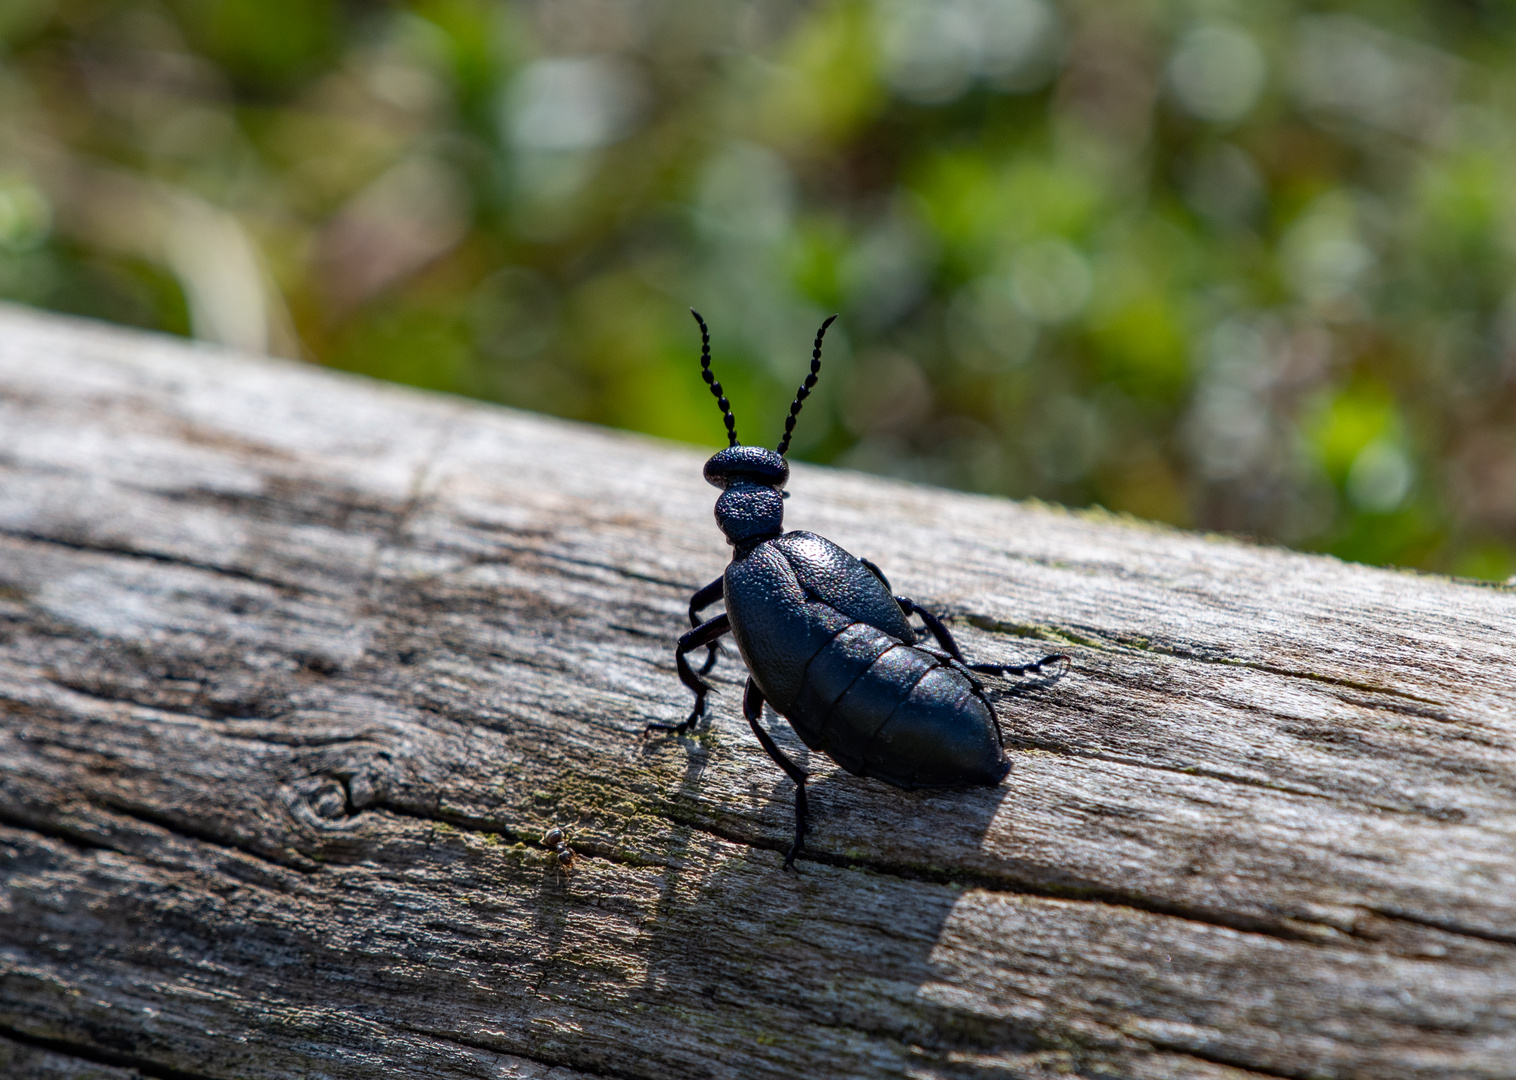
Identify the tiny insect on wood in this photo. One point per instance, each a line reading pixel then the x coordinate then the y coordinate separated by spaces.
pixel 556 841
pixel 826 643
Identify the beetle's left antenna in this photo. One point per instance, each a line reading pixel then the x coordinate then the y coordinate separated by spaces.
pixel 805 387
pixel 710 380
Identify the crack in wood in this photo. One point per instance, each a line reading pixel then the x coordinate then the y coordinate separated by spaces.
pixel 1444 925
pixel 209 721
pixel 97 1055
pixel 457 1039
pixel 286 588
pixel 548 555
pixel 1070 750
pixel 292 860
pixel 137 697
pixel 56 832
pixel 1103 641
pixel 1232 1062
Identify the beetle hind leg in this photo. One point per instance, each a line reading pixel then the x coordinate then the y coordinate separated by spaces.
pixel 945 638
pixel 752 708
pixel 1026 669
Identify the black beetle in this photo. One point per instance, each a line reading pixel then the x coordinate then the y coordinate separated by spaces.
pixel 826 643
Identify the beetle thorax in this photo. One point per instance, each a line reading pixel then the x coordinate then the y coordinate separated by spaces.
pixel 748 512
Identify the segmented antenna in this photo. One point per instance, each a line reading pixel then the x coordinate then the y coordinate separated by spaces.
pixel 805 387
pixel 710 380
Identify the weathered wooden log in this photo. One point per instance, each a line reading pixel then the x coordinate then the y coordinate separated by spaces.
pixel 296 669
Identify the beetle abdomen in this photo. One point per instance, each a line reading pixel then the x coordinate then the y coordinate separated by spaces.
pixel 851 666
pixel 882 708
pixel 941 735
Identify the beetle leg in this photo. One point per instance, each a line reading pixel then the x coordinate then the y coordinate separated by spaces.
pixel 945 639
pixel 878 573
pixel 703 634
pixel 1024 669
pixel 704 599
pixel 934 624
pixel 752 708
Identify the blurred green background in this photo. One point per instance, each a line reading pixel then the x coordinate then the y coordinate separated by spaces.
pixel 1240 266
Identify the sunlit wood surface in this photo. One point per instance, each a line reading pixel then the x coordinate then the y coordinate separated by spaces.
pixel 295 671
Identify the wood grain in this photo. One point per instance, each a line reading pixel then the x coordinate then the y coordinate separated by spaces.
pixel 296 669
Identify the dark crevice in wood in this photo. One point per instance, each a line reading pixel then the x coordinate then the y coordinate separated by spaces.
pixel 1063 749
pixel 1103 641
pixel 296 742
pixel 121 696
pixel 1230 1062
pixel 291 502
pixel 99 1056
pixel 194 833
pixel 1440 814
pixel 1444 925
pixel 465 822
pixel 592 564
pixel 85 844
pixel 1433 709
pixel 936 1031
pixel 55 832
pixel 490 1048
pixel 200 709
pixel 642 632
pixel 286 588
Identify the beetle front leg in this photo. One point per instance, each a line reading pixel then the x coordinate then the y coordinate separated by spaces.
pixel 945 639
pixel 752 708
pixel 701 600
pixel 703 634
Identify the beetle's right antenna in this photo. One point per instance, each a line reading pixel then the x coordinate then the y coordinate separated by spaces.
pixel 710 380
pixel 805 387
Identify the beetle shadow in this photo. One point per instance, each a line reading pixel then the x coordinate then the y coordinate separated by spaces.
pixel 876 891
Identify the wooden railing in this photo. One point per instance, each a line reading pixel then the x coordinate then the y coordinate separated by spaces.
pixel 297 669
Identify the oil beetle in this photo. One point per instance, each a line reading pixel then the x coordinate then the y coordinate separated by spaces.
pixel 826 643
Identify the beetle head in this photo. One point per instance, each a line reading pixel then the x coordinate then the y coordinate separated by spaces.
pixel 753 464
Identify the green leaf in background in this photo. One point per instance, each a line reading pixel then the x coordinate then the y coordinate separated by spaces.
pixel 1248 268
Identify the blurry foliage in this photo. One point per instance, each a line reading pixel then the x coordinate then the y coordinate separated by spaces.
pixel 1237 266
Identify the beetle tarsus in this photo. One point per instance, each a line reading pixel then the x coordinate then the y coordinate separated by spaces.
pixel 704 634
pixel 696 715
pixel 801 812
pixel 1025 669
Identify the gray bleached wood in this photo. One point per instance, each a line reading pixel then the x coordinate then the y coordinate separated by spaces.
pixel 296 669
